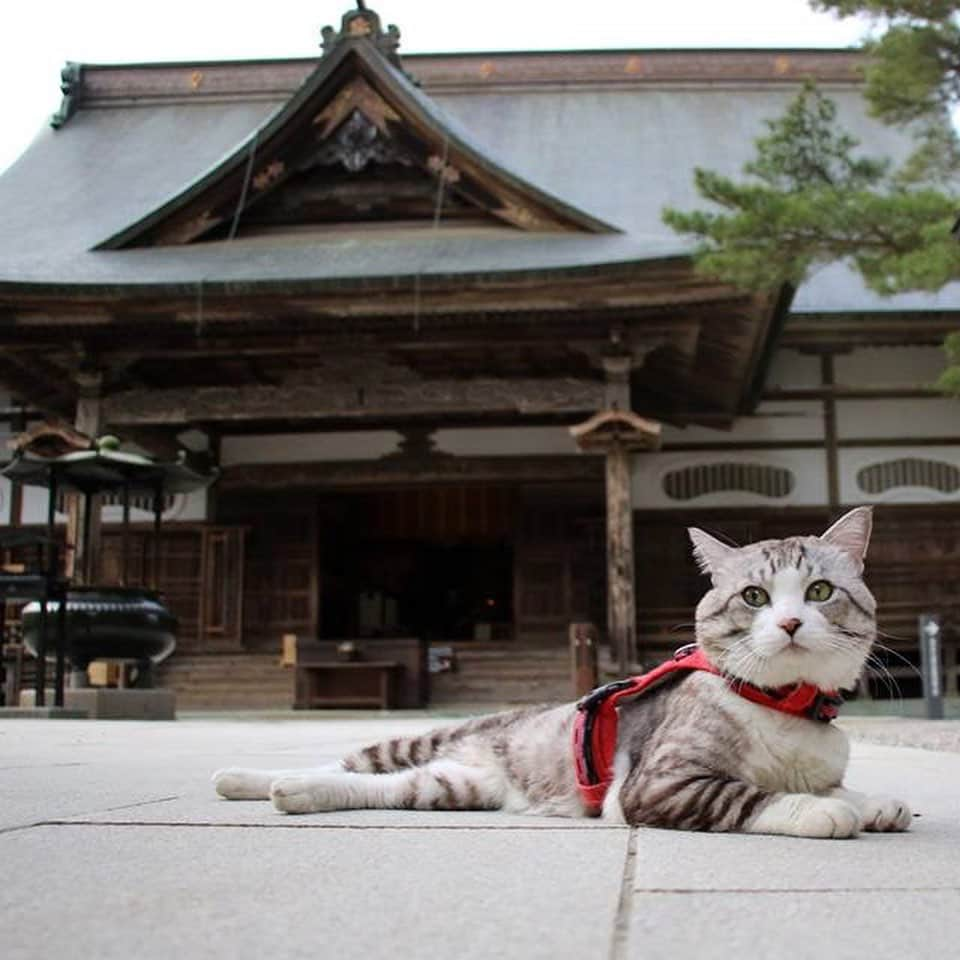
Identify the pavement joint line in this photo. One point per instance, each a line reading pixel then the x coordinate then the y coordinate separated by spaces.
pixel 697 891
pixel 44 766
pixel 139 803
pixel 621 923
pixel 489 828
pixel 20 826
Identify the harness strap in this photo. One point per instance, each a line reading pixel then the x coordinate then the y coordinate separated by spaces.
pixel 596 722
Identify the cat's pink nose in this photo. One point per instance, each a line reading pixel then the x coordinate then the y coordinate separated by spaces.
pixel 791 625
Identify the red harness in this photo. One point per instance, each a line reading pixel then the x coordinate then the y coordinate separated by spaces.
pixel 595 726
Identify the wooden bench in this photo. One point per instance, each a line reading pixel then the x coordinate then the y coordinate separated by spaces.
pixel 347 683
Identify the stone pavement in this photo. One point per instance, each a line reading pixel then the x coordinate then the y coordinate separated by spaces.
pixel 113 845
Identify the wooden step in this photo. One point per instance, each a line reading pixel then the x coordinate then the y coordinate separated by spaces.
pixel 235 681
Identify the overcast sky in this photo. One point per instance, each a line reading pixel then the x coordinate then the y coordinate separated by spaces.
pixel 42 35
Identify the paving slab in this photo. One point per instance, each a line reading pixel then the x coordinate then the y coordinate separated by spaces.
pixel 798 925
pixel 117 824
pixel 161 892
pixel 927 856
pixel 54 770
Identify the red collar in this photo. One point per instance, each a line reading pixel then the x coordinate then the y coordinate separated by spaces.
pixel 595 725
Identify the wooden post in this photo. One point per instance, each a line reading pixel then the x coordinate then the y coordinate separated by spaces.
pixel 617 433
pixel 583 658
pixel 621 605
pixel 827 380
pixel 83 520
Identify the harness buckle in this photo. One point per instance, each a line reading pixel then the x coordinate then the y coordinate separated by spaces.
pixel 826 707
pixel 592 700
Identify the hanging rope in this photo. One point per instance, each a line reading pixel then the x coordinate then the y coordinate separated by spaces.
pixel 199 322
pixel 243 190
pixel 434 228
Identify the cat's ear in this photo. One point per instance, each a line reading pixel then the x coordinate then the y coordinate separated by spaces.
pixel 708 551
pixel 851 533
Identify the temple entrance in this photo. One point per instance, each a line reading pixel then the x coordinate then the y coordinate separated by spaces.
pixel 460 563
pixel 434 562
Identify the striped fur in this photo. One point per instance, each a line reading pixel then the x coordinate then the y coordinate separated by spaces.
pixel 691 755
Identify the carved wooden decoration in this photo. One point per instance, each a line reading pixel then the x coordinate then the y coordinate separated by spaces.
pixel 50 439
pixel 624 427
pixel 359 114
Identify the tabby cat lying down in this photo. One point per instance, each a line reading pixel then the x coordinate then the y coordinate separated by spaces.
pixel 740 741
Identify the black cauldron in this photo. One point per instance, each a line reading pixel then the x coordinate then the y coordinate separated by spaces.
pixel 108 623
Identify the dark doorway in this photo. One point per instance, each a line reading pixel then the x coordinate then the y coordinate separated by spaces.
pixel 433 562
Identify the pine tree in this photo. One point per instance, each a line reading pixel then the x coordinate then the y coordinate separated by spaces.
pixel 810 197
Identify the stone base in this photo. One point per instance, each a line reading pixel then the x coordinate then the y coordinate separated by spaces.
pixel 109 703
pixel 41 713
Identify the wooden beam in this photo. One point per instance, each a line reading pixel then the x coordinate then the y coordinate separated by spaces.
pixel 397 471
pixel 356 402
pixel 851 443
pixel 84 516
pixel 38 382
pixel 837 391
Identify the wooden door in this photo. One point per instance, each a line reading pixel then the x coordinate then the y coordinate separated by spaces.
pixel 221 593
pixel 198 571
pixel 280 580
pixel 558 572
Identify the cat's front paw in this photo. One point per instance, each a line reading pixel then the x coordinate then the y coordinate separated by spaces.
pixel 882 814
pixel 828 818
pixel 300 795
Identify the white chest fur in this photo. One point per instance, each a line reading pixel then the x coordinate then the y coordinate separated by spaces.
pixel 786 753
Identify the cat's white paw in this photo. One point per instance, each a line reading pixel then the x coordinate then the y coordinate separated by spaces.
pixel 828 818
pixel 237 783
pixel 301 795
pixel 885 814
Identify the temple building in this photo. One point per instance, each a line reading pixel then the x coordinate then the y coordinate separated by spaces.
pixel 378 291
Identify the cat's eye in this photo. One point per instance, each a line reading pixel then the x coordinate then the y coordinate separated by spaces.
pixel 819 591
pixel 755 596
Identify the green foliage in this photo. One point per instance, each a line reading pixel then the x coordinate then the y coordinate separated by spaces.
pixel 914 71
pixel 809 198
pixel 949 380
pixel 813 200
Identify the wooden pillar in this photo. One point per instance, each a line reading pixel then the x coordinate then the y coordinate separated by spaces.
pixel 828 381
pixel 83 521
pixel 621 605
pixel 617 433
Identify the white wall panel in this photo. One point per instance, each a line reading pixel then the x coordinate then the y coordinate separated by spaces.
pixel 506 441
pixel 889 366
pixel 852 461
pixel 808 468
pixel 773 421
pixel 876 419
pixel 792 370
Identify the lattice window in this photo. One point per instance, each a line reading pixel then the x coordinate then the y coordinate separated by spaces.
pixel 698 481
pixel 909 472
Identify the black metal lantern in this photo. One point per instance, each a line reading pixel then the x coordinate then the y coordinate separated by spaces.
pixel 99 622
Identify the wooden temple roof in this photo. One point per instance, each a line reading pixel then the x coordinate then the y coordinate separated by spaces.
pixel 356 240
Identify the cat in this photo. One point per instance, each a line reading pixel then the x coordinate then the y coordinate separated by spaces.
pixel 693 753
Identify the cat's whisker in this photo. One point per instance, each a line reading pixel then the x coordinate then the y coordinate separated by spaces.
pixel 885 677
pixel 896 653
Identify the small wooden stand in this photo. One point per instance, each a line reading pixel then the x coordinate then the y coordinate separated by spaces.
pixel 349 683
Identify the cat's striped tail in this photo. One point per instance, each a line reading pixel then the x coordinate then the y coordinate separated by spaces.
pixel 400 753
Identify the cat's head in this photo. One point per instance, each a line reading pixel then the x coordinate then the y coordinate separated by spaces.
pixel 789 611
